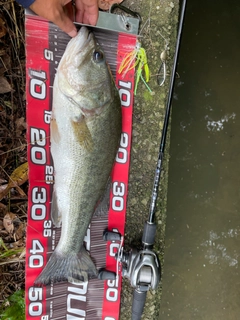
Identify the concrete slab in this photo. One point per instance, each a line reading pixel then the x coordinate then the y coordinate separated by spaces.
pixel 160 20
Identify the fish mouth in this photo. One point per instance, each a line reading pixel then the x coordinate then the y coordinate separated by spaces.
pixel 85 36
pixel 84 32
pixel 80 42
pixel 72 60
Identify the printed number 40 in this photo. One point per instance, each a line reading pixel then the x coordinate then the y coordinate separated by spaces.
pixel 36 260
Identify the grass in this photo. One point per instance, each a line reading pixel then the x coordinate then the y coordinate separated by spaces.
pixel 14 307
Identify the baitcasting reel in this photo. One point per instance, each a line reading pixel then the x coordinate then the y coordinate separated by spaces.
pixel 140 267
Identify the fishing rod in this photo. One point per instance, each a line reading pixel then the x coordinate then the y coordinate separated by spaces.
pixel 142 267
pixel 147 269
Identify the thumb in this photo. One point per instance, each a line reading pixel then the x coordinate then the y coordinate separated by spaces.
pixel 55 12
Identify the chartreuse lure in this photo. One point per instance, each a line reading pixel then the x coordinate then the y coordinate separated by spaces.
pixel 136 59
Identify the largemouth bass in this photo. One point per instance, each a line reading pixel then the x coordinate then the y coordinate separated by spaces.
pixel 85 134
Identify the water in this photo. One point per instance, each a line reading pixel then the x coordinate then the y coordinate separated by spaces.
pixel 202 255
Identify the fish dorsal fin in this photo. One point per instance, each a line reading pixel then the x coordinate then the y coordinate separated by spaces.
pixel 82 133
pixel 55 135
pixel 55 214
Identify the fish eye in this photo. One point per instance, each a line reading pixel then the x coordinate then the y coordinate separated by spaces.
pixel 98 56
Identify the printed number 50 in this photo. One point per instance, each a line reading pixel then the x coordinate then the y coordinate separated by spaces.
pixel 35 308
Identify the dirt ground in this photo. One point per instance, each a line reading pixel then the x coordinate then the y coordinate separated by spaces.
pixel 158 32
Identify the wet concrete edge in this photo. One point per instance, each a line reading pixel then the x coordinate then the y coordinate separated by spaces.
pixel 160 19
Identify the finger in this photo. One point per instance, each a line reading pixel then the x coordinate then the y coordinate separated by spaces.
pixel 69 10
pixel 87 11
pixel 55 14
pixel 89 18
pixel 79 11
pixel 63 21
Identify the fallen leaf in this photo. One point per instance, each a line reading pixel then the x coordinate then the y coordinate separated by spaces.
pixel 8 222
pixel 2 51
pixel 17 178
pixel 4 85
pixel 3 29
pixel 14 226
pixel 20 126
pixel 3 209
pixel 19 175
pixel 3 159
pixel 3 187
pixel 20 231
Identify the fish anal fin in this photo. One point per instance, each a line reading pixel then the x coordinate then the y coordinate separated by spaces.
pixel 82 134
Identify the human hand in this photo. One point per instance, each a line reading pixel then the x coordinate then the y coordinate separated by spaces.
pixel 60 12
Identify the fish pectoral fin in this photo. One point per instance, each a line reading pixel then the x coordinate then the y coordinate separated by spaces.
pixel 55 135
pixel 55 214
pixel 82 133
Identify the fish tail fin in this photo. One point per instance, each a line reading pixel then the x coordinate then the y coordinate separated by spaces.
pixel 70 267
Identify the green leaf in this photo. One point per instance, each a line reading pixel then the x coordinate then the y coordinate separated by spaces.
pixel 16 309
